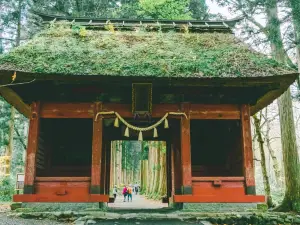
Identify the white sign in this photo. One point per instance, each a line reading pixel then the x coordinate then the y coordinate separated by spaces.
pixel 20 181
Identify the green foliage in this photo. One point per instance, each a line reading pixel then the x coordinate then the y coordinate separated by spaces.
pixel 4 125
pixel 159 9
pixel 198 9
pixel 6 189
pixel 156 167
pixel 131 151
pixel 78 8
pixel 60 50
pixel 145 151
pixel 165 9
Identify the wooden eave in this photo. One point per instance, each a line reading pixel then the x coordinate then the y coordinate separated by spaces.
pixel 276 85
pixel 193 25
pixel 15 100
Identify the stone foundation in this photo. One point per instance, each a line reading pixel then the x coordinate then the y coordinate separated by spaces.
pixel 44 207
pixel 219 207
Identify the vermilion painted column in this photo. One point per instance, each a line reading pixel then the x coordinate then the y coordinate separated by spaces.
pixel 176 160
pixel 186 164
pixel 108 162
pixel 247 150
pixel 96 151
pixel 103 169
pixel 32 148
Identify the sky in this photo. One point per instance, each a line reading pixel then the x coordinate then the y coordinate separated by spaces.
pixel 215 9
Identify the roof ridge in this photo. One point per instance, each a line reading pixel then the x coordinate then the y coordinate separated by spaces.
pixel 125 23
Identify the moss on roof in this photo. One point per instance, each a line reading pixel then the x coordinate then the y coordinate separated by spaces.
pixel 66 50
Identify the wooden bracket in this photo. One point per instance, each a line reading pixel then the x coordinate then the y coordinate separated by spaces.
pixel 217 183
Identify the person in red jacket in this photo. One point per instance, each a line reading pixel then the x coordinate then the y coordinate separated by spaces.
pixel 125 192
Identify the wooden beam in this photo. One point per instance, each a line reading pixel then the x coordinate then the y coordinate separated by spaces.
pixel 220 198
pixel 221 111
pixel 67 110
pixel 63 179
pixel 32 147
pixel 218 178
pixel 85 110
pixel 186 163
pixel 15 100
pixel 266 100
pixel 83 197
pixel 197 111
pixel 96 151
pixel 247 150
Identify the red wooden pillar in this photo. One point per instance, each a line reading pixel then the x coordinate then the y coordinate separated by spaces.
pixel 32 148
pixel 186 164
pixel 247 150
pixel 107 169
pixel 170 185
pixel 176 161
pixel 103 169
pixel 96 151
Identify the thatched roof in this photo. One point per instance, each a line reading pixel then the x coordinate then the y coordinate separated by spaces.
pixel 73 50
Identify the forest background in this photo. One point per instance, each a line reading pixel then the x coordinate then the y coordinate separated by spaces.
pixel 268 26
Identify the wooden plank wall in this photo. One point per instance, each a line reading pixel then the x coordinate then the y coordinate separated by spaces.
pixel 41 155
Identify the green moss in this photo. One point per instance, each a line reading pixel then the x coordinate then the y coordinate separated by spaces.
pixel 61 49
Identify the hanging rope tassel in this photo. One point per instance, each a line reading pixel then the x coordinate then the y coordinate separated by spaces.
pixel 140 136
pixel 126 134
pixel 116 123
pixel 155 135
pixel 166 123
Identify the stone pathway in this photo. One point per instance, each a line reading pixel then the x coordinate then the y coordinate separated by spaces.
pixel 4 207
pixel 138 202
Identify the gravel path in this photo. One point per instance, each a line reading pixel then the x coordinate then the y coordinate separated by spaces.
pixel 138 202
pixel 4 220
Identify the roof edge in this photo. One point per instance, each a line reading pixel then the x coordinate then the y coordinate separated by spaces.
pixel 50 17
pixel 269 97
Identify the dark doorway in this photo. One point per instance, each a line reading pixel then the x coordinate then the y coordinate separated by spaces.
pixel 65 147
pixel 216 148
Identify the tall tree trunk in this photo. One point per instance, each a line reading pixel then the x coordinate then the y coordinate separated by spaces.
pixel 152 166
pixel 263 161
pixel 142 182
pixel 288 136
pixel 1 41
pixel 146 178
pixel 162 169
pixel 19 25
pixel 10 145
pixel 157 149
pixel 295 7
pixel 276 166
pixel 112 165
pixel 150 174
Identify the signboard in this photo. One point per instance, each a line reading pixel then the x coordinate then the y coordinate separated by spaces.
pixel 142 98
pixel 20 181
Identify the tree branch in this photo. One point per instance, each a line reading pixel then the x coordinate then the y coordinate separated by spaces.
pixel 20 138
